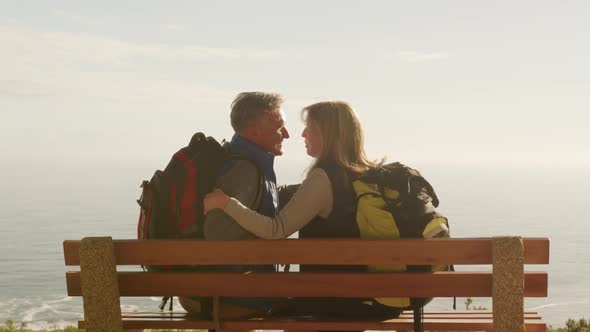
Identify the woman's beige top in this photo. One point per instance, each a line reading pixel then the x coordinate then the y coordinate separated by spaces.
pixel 314 198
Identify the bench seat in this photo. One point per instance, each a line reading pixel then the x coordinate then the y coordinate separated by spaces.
pixel 433 321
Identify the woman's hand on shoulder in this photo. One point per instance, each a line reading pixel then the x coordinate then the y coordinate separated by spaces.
pixel 216 199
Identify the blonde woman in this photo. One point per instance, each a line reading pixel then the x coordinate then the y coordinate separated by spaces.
pixel 324 205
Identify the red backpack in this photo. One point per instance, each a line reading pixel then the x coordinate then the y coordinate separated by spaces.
pixel 172 201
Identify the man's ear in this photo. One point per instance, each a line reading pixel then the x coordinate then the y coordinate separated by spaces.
pixel 251 132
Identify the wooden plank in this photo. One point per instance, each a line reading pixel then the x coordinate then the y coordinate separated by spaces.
pixel 441 284
pixel 268 324
pixel 536 250
pixel 298 251
pixel 467 313
pixel 472 314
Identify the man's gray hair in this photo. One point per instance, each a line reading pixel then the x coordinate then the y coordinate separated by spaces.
pixel 248 107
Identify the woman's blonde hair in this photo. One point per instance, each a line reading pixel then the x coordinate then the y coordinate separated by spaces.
pixel 341 134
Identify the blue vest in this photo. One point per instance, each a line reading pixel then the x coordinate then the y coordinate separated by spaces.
pixel 265 161
pixel 268 207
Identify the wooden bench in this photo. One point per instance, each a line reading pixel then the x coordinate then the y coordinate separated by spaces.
pixel 101 285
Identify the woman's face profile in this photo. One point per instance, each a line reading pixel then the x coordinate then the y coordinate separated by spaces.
pixel 313 140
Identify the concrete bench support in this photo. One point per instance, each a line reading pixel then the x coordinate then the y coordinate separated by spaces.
pixel 508 284
pixel 100 288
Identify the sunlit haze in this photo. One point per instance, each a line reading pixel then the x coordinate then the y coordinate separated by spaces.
pixel 499 83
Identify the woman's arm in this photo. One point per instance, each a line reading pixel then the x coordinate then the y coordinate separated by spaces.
pixel 313 198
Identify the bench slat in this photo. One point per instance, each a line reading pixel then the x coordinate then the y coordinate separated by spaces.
pixel 393 324
pixel 441 284
pixel 472 314
pixel 299 251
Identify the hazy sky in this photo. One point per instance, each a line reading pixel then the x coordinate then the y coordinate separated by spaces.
pixel 495 82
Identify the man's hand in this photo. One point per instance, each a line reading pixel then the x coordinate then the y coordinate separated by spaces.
pixel 216 199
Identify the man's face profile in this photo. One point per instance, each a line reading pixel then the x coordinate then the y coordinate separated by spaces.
pixel 271 132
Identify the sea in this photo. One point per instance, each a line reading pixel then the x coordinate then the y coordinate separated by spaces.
pixel 43 204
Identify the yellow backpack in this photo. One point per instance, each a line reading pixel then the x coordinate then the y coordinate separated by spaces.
pixel 395 202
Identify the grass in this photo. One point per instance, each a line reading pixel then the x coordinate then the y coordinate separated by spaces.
pixel 10 326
